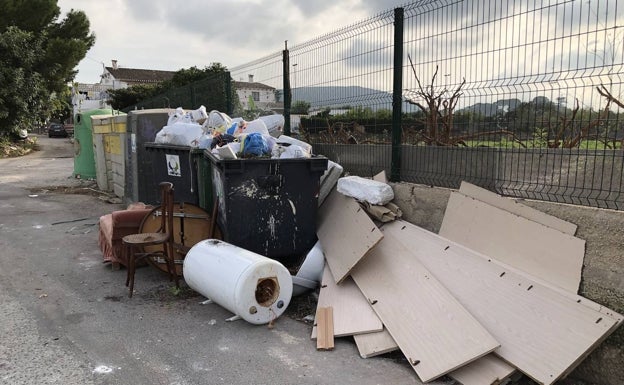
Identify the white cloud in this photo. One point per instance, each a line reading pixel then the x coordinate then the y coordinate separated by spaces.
pixel 165 35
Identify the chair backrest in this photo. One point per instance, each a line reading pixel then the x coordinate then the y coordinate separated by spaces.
pixel 166 224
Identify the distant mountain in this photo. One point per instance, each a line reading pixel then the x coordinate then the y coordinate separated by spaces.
pixel 490 109
pixel 353 96
pixel 339 96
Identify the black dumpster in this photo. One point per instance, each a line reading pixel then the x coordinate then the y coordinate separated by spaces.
pixel 268 206
pixel 176 164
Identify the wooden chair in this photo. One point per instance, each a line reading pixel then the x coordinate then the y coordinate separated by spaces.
pixel 135 243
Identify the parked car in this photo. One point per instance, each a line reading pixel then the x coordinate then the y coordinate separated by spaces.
pixel 57 129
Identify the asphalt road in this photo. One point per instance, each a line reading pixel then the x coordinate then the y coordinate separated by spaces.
pixel 65 317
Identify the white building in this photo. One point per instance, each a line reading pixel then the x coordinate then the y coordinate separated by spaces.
pixel 119 77
pixel 87 97
pixel 263 96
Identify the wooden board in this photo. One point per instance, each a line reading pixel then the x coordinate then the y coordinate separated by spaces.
pixel 517 208
pixel 539 250
pixel 374 344
pixel 325 318
pixel 433 330
pixel 352 312
pixel 381 177
pixel 488 370
pixel 542 332
pixel 346 233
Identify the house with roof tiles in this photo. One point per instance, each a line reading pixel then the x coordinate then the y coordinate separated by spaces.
pixel 118 77
pixel 256 94
pixel 87 97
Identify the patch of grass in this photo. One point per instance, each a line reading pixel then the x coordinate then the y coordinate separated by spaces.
pixel 175 291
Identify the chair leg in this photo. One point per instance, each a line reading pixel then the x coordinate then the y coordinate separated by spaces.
pixel 131 271
pixel 127 251
pixel 171 264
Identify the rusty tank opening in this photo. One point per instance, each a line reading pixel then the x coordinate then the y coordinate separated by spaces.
pixel 267 291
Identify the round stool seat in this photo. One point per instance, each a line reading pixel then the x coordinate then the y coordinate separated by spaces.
pixel 144 239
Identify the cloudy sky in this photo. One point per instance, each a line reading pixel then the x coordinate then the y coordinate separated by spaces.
pixel 167 35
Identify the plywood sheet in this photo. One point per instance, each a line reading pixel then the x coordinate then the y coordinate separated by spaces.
pixel 517 208
pixel 346 233
pixel 433 330
pixel 381 177
pixel 352 312
pixel 374 344
pixel 486 370
pixel 542 332
pixel 325 318
pixel 539 250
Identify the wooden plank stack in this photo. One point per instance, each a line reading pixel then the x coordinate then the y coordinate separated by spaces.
pixel 494 292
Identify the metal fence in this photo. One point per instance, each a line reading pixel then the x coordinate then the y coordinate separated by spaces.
pixel 524 98
pixel 214 92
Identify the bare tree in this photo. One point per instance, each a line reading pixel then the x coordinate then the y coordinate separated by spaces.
pixel 438 111
pixel 568 133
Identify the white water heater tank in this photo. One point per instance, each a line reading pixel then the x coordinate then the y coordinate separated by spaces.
pixel 254 287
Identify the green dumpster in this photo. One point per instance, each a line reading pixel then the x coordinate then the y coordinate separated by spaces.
pixel 84 158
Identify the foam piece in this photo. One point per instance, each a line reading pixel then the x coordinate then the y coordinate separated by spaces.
pixel 371 191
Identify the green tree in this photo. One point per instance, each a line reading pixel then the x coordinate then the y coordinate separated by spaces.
pixel 124 97
pixel 194 74
pixel 300 107
pixel 22 91
pixel 383 113
pixel 38 54
pixel 278 95
pixel 206 85
pixel 536 114
pixel 360 112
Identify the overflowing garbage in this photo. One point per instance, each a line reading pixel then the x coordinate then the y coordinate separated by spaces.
pixel 231 138
pixel 289 227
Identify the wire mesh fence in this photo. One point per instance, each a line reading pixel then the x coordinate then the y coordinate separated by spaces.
pixel 214 92
pixel 523 98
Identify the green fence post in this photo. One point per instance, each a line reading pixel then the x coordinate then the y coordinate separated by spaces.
pixel 287 91
pixel 229 105
pixel 397 96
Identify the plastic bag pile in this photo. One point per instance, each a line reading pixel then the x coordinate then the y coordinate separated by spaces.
pixel 231 138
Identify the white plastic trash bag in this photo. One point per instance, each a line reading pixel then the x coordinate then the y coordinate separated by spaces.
pixel 178 115
pixel 256 126
pixel 181 134
pixel 205 141
pixel 274 123
pixel 217 123
pixel 306 147
pixel 199 115
pixel 371 191
pixel 293 151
